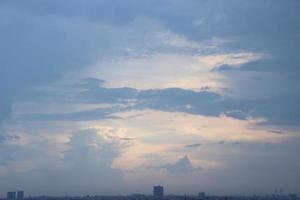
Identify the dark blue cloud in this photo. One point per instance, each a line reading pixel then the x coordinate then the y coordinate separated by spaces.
pixel 223 68
pixel 193 145
pixel 5 138
pixel 171 100
pixel 237 114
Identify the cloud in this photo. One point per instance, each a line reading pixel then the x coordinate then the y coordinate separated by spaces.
pixel 237 114
pixel 156 69
pixel 37 51
pixel 4 138
pixel 275 131
pixel 224 67
pixel 87 157
pixel 203 102
pixel 221 142
pixel 72 32
pixel 122 99
pixel 193 145
pixel 86 115
pixel 183 165
pixel 39 48
pixel 185 63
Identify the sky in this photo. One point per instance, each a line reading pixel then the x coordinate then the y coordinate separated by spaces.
pixel 115 96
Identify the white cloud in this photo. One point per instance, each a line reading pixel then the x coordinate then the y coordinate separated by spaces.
pixel 168 70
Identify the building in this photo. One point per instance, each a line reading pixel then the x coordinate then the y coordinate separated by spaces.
pixel 20 195
pixel 201 195
pixel 11 196
pixel 158 191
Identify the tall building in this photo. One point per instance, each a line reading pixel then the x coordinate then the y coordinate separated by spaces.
pixel 158 191
pixel 201 195
pixel 11 196
pixel 20 195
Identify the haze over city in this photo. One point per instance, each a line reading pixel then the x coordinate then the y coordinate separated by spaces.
pixel 113 97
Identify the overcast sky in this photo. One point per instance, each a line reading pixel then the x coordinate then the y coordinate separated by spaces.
pixel 115 96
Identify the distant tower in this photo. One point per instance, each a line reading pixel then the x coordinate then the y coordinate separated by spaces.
pixel 201 195
pixel 281 191
pixel 158 191
pixel 20 195
pixel 11 196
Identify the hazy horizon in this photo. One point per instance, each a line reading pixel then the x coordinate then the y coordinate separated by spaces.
pixel 115 96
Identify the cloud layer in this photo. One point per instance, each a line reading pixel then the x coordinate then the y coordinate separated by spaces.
pixel 122 90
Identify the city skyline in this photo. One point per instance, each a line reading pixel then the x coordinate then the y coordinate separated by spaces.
pixel 117 96
pixel 157 193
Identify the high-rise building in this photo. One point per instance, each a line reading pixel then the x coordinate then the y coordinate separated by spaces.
pixel 11 196
pixel 158 191
pixel 201 195
pixel 20 195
